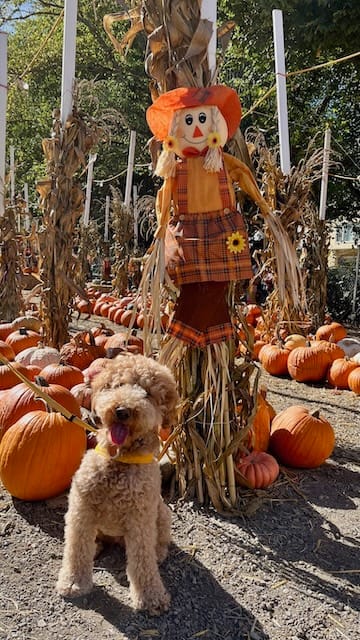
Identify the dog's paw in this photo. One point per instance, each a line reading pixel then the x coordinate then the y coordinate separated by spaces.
pixel 155 603
pixel 71 587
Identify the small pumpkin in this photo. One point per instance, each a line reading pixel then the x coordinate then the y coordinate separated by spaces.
pixel 300 438
pixel 294 340
pixel 273 358
pixel 354 380
pixel 256 470
pixel 39 455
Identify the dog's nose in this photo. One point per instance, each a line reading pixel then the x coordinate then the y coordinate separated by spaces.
pixel 122 413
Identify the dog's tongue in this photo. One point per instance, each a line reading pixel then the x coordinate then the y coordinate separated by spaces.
pixel 118 433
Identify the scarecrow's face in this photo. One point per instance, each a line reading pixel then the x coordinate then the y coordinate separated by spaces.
pixel 195 126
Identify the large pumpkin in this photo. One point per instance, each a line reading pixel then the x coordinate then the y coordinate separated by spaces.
pixel 62 373
pixel 333 332
pixel 21 399
pixel 301 439
pixel 39 455
pixel 257 470
pixel 308 364
pixel 22 339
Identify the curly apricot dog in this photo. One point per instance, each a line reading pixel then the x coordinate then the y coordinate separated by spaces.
pixel 117 489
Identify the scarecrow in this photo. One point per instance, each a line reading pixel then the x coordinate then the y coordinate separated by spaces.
pixel 206 244
pixel 200 249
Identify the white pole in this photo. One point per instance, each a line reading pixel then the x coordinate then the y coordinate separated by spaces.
pixel 279 50
pixel 353 306
pixel 136 217
pixel 107 214
pixel 26 197
pixel 3 103
pixel 130 168
pixel 209 12
pixel 325 173
pixel 68 59
pixel 12 174
pixel 92 159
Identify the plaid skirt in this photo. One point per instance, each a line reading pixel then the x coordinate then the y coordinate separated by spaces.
pixel 205 247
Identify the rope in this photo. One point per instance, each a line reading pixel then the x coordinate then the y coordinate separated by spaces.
pixel 53 28
pixel 297 73
pixel 50 401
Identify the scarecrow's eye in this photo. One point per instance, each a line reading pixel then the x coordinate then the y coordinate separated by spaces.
pixel 202 117
pixel 189 119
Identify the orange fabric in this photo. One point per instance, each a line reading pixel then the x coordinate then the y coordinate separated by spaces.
pixel 159 115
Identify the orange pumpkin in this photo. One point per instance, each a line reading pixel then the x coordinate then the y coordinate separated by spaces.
pixel 308 364
pixel 64 374
pixel 39 455
pixel 5 329
pixel 339 371
pixel 333 332
pixel 331 348
pixel 21 400
pixel 273 358
pixel 120 342
pixel 301 439
pixel 256 470
pixel 22 339
pixel 7 350
pixel 8 378
pixel 354 380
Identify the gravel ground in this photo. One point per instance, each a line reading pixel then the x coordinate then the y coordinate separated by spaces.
pixel 288 568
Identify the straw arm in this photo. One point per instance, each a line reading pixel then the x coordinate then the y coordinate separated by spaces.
pixel 239 172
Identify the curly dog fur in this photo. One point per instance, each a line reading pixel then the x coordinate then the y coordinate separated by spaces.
pixel 132 396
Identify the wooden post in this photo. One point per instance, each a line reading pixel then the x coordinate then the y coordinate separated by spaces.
pixel 136 217
pixel 279 50
pixel 3 103
pixel 107 215
pixel 130 168
pixel 12 174
pixel 325 173
pixel 68 59
pixel 209 12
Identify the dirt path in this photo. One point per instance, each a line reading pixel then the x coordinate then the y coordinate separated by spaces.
pixel 287 569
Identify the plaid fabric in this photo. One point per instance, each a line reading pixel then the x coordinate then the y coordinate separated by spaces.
pixel 200 339
pixel 196 244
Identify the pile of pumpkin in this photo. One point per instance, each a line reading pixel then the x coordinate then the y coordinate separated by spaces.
pixel 122 311
pixel 40 449
pixel 326 357
pixel 295 437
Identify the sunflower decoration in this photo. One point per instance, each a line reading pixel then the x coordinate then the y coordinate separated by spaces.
pixel 169 143
pixel 214 140
pixel 236 242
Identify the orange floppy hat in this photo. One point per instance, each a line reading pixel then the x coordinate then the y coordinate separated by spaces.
pixel 159 115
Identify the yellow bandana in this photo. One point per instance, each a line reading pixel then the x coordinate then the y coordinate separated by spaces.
pixel 127 458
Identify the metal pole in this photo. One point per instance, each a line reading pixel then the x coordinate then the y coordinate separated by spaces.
pixel 353 310
pixel 107 215
pixel 3 103
pixel 279 50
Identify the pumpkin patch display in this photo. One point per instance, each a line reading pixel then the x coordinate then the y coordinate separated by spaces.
pixel 300 438
pixel 39 455
pixel 257 470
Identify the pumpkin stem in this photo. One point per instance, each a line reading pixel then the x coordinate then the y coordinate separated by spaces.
pixel 315 414
pixel 39 380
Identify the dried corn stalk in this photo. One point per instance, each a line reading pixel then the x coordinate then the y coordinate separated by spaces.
pixel 11 301
pixel 122 220
pixel 291 198
pixel 62 201
pixel 89 243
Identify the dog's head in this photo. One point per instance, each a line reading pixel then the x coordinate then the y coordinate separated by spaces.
pixel 132 396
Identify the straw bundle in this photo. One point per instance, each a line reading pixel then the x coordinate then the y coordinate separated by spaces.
pixel 11 301
pixel 291 197
pixel 62 201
